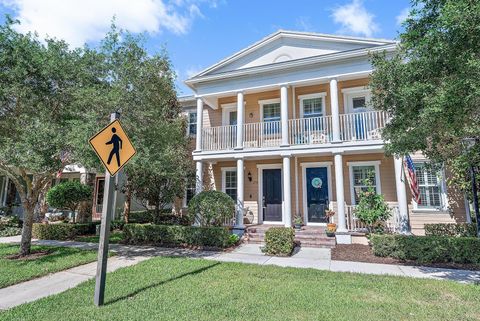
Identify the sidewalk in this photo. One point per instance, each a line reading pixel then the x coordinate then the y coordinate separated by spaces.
pixel 315 258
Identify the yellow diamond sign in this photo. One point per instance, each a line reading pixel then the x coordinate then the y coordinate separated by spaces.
pixel 113 147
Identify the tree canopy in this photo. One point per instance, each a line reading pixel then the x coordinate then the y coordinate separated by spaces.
pixel 431 86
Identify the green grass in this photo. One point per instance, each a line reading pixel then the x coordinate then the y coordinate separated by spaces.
pixel 61 258
pixel 115 237
pixel 189 289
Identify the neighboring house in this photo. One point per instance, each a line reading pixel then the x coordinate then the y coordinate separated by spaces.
pixel 285 127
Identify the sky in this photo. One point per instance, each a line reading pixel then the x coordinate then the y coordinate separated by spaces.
pixel 199 33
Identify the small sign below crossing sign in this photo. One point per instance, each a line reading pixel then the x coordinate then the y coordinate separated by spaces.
pixel 113 147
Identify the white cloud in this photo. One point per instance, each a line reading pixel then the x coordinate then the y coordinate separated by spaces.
pixel 304 24
pixel 80 21
pixel 402 16
pixel 192 71
pixel 354 18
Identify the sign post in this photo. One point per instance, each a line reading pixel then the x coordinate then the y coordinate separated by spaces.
pixel 114 150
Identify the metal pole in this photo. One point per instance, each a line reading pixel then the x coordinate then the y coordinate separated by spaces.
pixel 108 206
pixel 475 199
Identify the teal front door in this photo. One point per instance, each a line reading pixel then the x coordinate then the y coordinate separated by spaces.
pixel 316 194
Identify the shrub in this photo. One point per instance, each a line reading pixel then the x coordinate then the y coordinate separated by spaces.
pixel 69 195
pixel 427 249
pixel 10 226
pixel 176 235
pixel 211 208
pixel 372 210
pixel 60 231
pixel 140 217
pixel 279 241
pixel 452 229
pixel 117 225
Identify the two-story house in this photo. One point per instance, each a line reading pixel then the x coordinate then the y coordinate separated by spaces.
pixel 285 128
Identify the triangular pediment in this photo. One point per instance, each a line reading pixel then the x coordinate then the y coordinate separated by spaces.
pixel 287 46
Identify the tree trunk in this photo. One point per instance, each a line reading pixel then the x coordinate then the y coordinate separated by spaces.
pixel 127 205
pixel 26 242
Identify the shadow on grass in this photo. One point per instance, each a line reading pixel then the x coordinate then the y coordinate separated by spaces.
pixel 153 285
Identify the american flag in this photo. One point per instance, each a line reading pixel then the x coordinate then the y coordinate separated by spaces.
pixel 412 178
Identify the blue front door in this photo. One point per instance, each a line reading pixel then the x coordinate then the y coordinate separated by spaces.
pixel 317 194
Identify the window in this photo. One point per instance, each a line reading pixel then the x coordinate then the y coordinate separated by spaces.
pixel 271 112
pixel 189 192
pixel 361 175
pixel 192 123
pixel 359 102
pixel 430 186
pixel 230 182
pixel 312 105
pixel 356 99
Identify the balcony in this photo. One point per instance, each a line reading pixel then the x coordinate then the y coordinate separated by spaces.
pixel 304 131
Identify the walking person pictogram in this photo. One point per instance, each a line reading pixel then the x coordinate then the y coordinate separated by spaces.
pixel 117 145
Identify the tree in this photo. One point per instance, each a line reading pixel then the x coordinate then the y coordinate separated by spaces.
pixel 431 86
pixel 69 195
pixel 38 85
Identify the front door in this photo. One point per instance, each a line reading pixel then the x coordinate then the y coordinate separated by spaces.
pixel 317 194
pixel 272 195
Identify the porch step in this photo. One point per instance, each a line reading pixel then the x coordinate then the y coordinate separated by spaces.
pixel 307 236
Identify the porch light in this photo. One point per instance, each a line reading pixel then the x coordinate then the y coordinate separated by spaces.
pixel 249 175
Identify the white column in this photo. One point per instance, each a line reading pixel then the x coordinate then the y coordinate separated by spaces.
pixel 339 187
pixel 284 114
pixel 404 227
pixel 240 191
pixel 199 124
pixel 335 111
pixel 199 177
pixel 240 119
pixel 287 192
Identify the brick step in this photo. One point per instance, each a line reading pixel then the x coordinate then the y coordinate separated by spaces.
pixel 312 237
pixel 318 245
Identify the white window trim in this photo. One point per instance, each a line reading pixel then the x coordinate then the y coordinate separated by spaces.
pixel 226 110
pixel 261 103
pixel 355 92
pixel 188 112
pixel 443 194
pixel 260 168
pixel 304 166
pixel 224 177
pixel 302 98
pixel 376 165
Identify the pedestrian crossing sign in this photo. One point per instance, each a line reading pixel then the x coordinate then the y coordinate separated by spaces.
pixel 113 147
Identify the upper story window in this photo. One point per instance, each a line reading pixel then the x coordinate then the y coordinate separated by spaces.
pixel 312 105
pixel 356 99
pixel 192 123
pixel 431 187
pixel 362 174
pixel 271 112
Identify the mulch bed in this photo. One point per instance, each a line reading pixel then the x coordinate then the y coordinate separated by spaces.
pixel 363 253
pixel 32 256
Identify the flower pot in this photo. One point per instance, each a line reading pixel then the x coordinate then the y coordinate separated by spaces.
pixel 330 234
pixel 298 227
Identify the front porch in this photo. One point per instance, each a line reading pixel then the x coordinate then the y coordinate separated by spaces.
pixel 273 191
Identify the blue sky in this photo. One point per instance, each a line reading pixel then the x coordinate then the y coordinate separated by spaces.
pixel 199 33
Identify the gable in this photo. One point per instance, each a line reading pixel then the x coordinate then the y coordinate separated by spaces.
pixel 285 46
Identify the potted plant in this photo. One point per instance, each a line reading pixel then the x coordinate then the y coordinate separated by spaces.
pixel 298 222
pixel 330 230
pixel 329 214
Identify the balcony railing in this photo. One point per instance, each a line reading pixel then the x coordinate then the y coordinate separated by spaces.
pixel 302 131
pixel 362 126
pixel 306 131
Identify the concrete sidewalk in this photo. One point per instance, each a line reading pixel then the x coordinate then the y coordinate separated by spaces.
pixel 315 258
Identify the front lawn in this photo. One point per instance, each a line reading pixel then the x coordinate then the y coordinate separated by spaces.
pixel 115 237
pixel 58 259
pixel 194 289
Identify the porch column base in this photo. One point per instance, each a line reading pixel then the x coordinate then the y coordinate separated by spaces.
pixel 343 238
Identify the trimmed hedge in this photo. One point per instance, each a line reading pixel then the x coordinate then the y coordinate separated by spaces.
pixel 62 231
pixel 165 218
pixel 451 229
pixel 427 249
pixel 279 241
pixel 177 235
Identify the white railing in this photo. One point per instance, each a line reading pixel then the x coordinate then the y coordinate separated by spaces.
pixel 219 138
pixel 263 134
pixel 354 224
pixel 306 131
pixel 362 126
